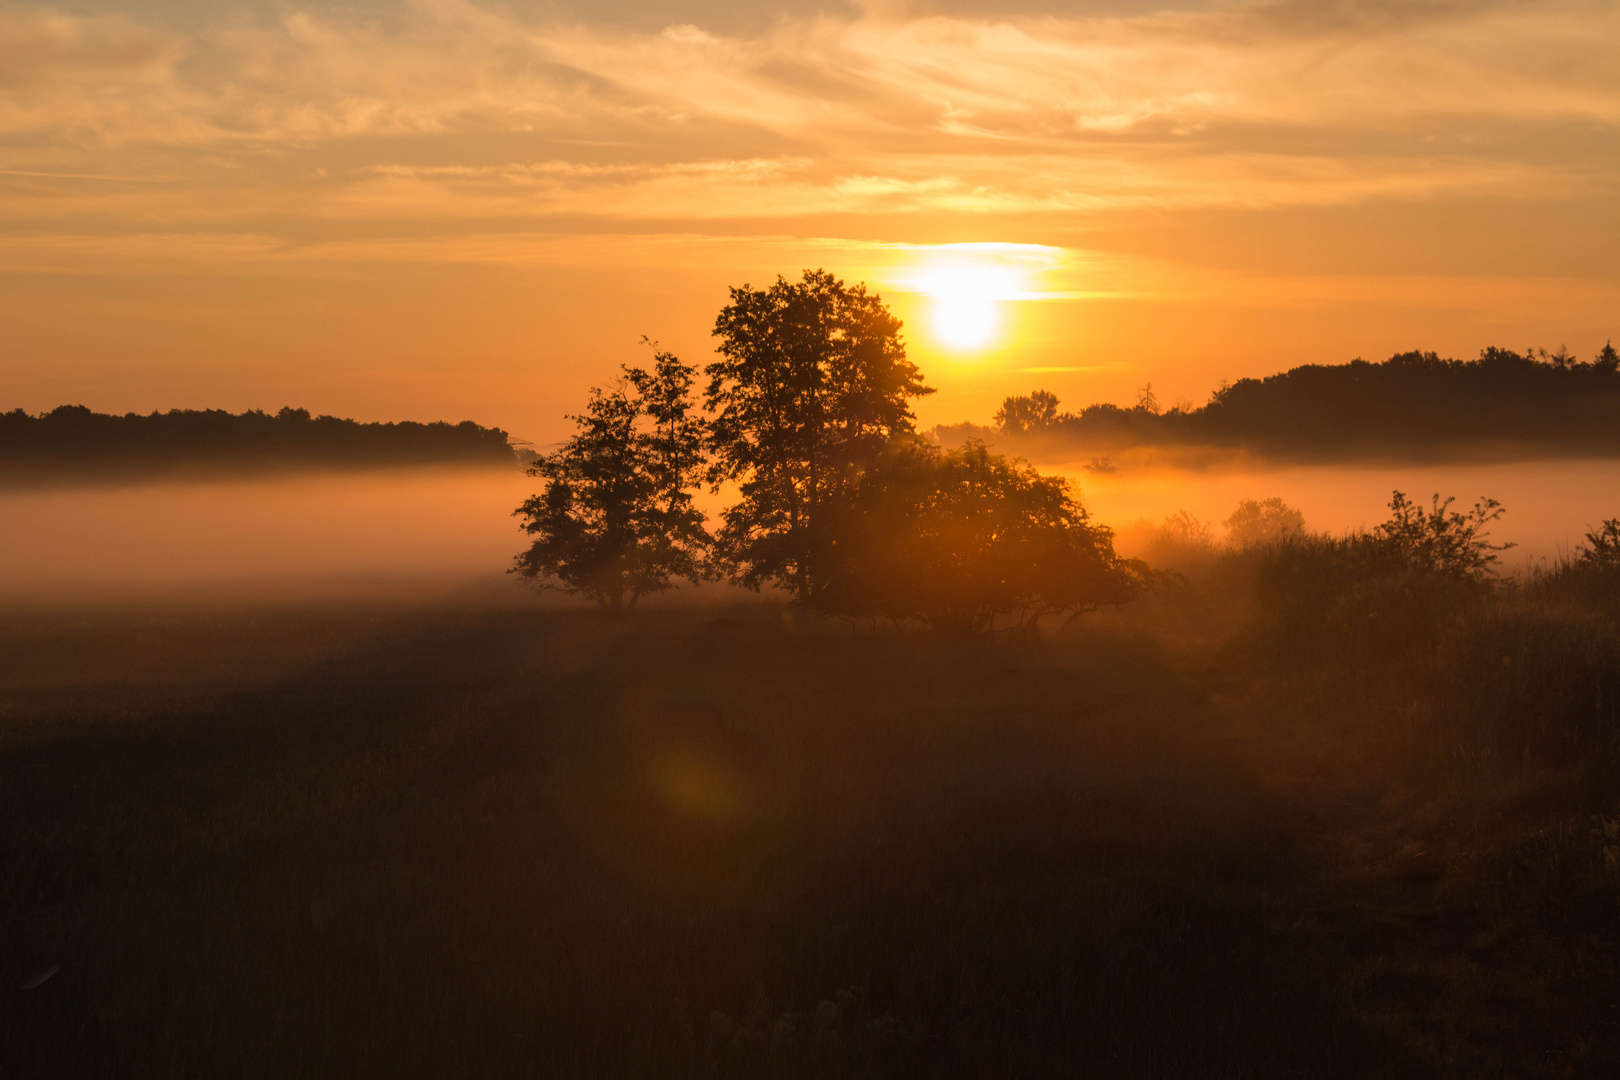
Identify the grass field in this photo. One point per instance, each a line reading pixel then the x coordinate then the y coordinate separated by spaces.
pixel 1195 837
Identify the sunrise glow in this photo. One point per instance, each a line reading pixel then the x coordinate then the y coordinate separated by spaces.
pixel 689 538
pixel 415 210
pixel 969 286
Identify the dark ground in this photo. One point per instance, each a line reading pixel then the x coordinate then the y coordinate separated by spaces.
pixel 375 840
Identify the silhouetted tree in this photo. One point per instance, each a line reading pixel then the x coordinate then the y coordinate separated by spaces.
pixel 1263 521
pixel 1602 547
pixel 1413 403
pixel 1607 361
pixel 1440 540
pixel 812 382
pixel 1024 415
pixel 615 520
pixel 73 440
pixel 954 539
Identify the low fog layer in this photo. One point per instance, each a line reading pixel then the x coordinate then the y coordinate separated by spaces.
pixel 431 531
pixel 313 534
pixel 1549 505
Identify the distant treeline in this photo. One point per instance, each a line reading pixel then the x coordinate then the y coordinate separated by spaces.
pixel 72 442
pixel 1414 404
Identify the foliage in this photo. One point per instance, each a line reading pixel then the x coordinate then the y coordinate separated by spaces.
pixel 615 520
pixel 1440 540
pixel 1602 547
pixel 1182 528
pixel 1415 404
pixel 1351 600
pixel 1180 543
pixel 812 382
pixel 1027 414
pixel 954 539
pixel 73 440
pixel 1263 521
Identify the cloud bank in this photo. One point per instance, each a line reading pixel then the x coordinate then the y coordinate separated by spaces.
pixel 449 116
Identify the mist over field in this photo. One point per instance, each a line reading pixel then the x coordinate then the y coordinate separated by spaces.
pixel 425 532
pixel 876 540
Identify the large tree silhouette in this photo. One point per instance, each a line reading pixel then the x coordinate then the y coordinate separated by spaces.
pixel 615 520
pixel 811 383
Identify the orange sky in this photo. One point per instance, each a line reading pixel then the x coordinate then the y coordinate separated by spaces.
pixel 442 209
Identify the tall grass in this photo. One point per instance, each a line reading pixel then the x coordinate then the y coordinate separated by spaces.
pixel 1309 811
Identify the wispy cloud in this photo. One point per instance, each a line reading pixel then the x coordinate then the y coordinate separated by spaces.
pixel 465 112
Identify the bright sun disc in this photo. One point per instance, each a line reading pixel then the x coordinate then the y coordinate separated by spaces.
pixel 967 300
pixel 965 322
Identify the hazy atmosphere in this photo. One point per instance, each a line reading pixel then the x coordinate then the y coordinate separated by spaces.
pixel 428 531
pixel 435 209
pixel 728 540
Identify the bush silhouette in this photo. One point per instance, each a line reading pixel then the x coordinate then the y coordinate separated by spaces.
pixel 1602 547
pixel 1440 540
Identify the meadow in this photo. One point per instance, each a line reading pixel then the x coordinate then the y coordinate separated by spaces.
pixel 1297 815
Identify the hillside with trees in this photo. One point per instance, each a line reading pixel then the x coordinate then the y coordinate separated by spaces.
pixel 1414 406
pixel 73 443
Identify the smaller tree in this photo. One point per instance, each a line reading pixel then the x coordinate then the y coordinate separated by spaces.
pixel 1027 414
pixel 1263 521
pixel 1147 401
pixel 1602 548
pixel 954 539
pixel 1607 361
pixel 615 520
pixel 1442 541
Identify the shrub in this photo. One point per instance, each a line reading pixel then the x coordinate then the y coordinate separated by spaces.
pixel 1353 600
pixel 1180 542
pixel 1602 548
pixel 1440 540
pixel 1265 521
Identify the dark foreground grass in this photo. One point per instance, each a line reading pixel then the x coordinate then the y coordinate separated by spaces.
pixel 352 841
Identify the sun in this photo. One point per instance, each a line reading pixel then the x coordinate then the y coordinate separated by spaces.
pixel 966 322
pixel 968 293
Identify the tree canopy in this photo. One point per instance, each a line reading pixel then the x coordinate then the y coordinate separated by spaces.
pixel 1263 521
pixel 812 382
pixel 953 539
pixel 74 441
pixel 1415 404
pixel 615 520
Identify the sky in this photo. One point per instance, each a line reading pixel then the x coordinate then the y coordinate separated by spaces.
pixel 442 209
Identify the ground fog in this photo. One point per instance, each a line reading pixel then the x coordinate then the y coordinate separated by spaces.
pixel 427 532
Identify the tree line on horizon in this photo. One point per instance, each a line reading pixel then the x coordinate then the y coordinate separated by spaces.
pixel 72 439
pixel 842 504
pixel 839 501
pixel 1414 403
